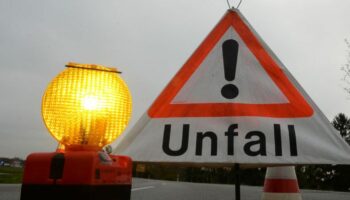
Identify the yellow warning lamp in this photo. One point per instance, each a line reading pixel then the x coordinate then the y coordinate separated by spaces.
pixel 86 106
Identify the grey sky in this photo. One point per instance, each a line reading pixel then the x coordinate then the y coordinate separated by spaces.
pixel 149 41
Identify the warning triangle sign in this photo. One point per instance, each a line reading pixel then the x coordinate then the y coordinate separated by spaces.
pixel 233 101
pixel 232 73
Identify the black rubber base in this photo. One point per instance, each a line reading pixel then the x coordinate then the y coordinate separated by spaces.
pixel 75 192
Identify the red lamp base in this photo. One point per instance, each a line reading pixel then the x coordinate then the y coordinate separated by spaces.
pixel 77 175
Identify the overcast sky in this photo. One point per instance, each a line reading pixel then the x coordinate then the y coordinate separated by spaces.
pixel 149 41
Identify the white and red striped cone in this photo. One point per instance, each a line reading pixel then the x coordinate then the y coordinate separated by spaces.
pixel 281 184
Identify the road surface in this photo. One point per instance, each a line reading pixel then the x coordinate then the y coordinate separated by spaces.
pixel 144 189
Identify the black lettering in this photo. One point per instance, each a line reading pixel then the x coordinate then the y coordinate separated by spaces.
pixel 213 140
pixel 278 139
pixel 292 141
pixel 184 143
pixel 261 142
pixel 230 138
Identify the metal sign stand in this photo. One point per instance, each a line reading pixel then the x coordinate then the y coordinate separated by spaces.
pixel 237 182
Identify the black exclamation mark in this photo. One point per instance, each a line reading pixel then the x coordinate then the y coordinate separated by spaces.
pixel 230 54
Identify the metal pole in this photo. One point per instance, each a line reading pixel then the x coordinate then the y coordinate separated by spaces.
pixel 237 182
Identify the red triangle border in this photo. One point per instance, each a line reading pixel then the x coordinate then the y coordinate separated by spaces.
pixel 296 107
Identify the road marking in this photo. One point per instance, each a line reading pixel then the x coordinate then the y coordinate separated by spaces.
pixel 142 188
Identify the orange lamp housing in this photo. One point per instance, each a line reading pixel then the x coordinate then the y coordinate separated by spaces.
pixel 85 108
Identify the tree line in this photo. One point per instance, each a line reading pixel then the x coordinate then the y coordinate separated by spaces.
pixel 323 177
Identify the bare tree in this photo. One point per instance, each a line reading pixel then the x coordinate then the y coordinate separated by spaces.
pixel 346 67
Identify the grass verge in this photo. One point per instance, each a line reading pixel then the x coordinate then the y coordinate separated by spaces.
pixel 11 175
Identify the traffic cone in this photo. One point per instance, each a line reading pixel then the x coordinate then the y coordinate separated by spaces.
pixel 281 184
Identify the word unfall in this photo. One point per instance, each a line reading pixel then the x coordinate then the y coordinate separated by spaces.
pixel 252 146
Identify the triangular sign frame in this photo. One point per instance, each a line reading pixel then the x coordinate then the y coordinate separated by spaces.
pixel 296 106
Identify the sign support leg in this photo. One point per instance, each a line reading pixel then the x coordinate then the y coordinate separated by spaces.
pixel 237 182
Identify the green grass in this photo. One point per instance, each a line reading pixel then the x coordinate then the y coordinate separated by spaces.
pixel 11 175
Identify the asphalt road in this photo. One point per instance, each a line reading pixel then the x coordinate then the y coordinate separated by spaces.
pixel 144 189
pixel 10 191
